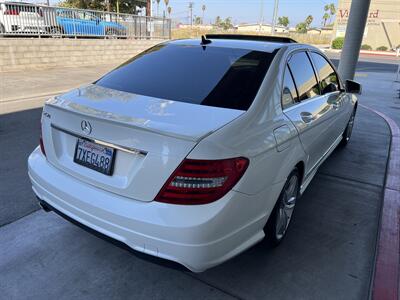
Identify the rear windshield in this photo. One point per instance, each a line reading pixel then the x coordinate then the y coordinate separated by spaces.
pixel 213 76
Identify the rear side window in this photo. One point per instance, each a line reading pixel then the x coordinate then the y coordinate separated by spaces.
pixel 327 75
pixel 289 93
pixel 304 76
pixel 213 76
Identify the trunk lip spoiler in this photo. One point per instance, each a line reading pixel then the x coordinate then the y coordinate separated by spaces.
pixel 164 133
pixel 100 142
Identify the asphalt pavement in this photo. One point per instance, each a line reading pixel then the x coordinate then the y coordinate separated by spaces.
pixel 328 253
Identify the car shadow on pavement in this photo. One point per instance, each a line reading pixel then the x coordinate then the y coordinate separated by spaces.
pixel 328 252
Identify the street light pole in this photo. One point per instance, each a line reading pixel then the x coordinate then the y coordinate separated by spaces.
pixel 261 16
pixel 353 38
pixel 191 13
pixel 274 17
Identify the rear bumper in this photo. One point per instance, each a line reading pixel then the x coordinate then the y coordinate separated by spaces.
pixel 198 237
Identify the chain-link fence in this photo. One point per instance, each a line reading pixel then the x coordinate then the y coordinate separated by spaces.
pixel 23 19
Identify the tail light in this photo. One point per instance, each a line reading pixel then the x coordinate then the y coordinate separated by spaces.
pixel 12 12
pixel 202 181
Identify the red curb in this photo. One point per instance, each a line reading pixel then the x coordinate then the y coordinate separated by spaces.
pixel 385 284
pixel 378 53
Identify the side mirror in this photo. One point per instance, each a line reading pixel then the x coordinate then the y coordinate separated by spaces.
pixel 353 87
pixel 330 88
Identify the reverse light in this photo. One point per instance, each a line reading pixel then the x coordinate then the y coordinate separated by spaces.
pixel 202 181
pixel 41 144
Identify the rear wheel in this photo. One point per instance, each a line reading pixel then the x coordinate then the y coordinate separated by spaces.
pixel 282 213
pixel 55 31
pixel 111 33
pixel 2 29
pixel 349 129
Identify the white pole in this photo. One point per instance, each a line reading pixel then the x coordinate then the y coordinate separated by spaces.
pixel 261 16
pixel 274 17
pixel 398 61
pixel 353 39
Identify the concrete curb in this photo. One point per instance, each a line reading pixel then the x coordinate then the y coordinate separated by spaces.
pixel 385 284
pixel 378 53
pixel 365 52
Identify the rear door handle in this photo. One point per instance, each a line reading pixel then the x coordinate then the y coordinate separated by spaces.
pixel 307 117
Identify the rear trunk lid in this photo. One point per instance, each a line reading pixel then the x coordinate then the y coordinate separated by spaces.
pixel 151 136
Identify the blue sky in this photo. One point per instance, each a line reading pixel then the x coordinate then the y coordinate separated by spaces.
pixel 249 10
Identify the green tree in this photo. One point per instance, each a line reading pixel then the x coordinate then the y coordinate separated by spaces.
pixel 197 20
pixel 330 11
pixel 308 21
pixel 301 27
pixel 223 24
pixel 218 21
pixel 126 6
pixel 283 21
pixel 227 24
pixel 166 2
pixel 325 17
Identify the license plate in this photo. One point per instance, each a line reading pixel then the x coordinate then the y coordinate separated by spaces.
pixel 94 156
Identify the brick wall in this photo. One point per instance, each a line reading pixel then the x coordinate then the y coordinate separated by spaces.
pixel 34 53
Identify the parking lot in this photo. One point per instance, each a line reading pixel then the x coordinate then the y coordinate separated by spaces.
pixel 328 253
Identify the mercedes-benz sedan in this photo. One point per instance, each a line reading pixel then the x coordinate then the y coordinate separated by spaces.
pixel 194 150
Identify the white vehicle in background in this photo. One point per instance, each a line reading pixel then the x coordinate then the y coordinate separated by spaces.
pixel 193 151
pixel 21 18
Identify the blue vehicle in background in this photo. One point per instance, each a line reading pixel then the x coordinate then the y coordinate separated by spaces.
pixel 84 23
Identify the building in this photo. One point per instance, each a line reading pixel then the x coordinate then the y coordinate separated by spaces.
pixel 262 28
pixel 383 25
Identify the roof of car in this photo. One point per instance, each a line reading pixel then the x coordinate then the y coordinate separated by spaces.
pixel 258 45
pixel 248 42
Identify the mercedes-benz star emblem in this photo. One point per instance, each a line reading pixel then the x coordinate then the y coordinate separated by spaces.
pixel 86 127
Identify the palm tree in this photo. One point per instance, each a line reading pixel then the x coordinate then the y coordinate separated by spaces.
pixel 158 6
pixel 308 21
pixel 332 10
pixel 169 9
pixel 325 17
pixel 166 6
pixel 203 8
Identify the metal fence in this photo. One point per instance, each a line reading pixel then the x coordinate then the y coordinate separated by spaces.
pixel 23 19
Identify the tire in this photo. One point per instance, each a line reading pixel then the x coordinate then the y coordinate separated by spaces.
pixel 55 31
pixel 2 29
pixel 349 129
pixel 279 220
pixel 111 33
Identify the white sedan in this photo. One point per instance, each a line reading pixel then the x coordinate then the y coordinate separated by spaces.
pixel 194 150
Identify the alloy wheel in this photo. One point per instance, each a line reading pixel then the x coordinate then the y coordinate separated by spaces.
pixel 349 128
pixel 286 206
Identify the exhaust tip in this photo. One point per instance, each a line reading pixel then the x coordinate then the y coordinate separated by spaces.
pixel 44 205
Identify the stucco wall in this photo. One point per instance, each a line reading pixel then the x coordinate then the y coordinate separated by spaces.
pixel 383 24
pixel 34 53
